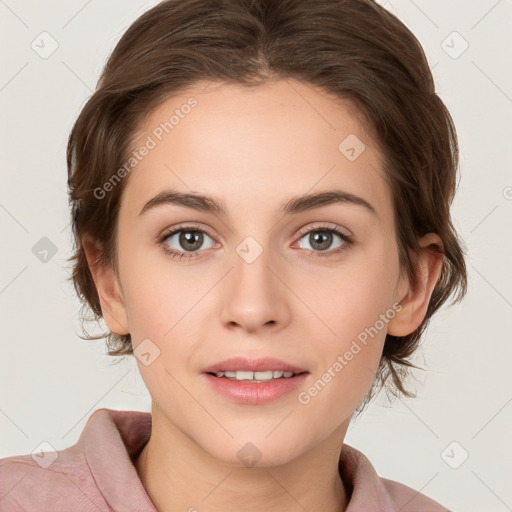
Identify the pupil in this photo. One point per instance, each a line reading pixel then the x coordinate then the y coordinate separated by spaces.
pixel 188 237
pixel 327 238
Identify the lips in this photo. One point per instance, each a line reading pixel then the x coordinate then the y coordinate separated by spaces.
pixel 246 364
pixel 249 392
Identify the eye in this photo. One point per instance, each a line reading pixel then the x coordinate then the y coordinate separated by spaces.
pixel 321 238
pixel 187 241
pixel 182 240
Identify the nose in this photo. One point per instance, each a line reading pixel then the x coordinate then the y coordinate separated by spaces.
pixel 254 295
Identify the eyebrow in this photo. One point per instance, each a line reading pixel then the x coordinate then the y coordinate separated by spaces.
pixel 294 205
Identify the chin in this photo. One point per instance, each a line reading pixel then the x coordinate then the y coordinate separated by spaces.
pixel 254 451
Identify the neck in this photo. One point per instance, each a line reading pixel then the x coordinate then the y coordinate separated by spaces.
pixel 172 461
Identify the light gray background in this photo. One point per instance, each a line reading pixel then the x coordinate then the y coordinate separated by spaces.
pixel 51 380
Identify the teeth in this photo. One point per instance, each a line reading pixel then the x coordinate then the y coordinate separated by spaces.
pixel 255 376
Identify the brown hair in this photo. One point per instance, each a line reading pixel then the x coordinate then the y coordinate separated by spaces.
pixel 352 49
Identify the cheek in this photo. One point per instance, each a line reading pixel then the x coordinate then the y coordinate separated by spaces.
pixel 349 356
pixel 351 353
pixel 157 294
pixel 149 305
pixel 355 306
pixel 156 307
pixel 351 298
pixel 160 308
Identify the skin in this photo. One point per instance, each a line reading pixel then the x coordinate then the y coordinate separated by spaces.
pixel 254 149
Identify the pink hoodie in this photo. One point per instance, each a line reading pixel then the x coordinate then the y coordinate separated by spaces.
pixel 97 474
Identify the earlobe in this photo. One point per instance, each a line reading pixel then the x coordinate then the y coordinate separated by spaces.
pixel 107 286
pixel 416 298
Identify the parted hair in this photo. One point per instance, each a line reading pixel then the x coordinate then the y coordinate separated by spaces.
pixel 355 50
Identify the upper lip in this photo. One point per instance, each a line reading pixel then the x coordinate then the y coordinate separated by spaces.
pixel 252 365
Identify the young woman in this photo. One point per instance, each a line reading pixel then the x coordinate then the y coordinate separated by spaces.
pixel 260 195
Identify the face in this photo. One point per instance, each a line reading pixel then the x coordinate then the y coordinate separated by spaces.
pixel 265 275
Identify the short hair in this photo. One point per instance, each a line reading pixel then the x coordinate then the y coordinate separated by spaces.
pixel 353 49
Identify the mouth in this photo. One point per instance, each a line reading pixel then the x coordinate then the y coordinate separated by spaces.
pixel 254 381
pixel 262 376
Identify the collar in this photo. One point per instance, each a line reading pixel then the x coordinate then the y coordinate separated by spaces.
pixel 125 433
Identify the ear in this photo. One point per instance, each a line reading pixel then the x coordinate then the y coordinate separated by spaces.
pixel 107 285
pixel 415 295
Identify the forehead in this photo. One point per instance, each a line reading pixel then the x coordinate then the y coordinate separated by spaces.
pixel 256 146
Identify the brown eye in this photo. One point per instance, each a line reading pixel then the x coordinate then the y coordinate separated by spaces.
pixel 190 240
pixel 321 240
pixel 181 241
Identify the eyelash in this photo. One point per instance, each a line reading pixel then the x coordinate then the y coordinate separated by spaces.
pixel 348 242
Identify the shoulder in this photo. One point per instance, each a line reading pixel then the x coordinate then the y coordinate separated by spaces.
pixel 26 484
pixel 369 490
pixel 94 473
pixel 407 499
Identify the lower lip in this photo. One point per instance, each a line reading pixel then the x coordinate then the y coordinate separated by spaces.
pixel 245 392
